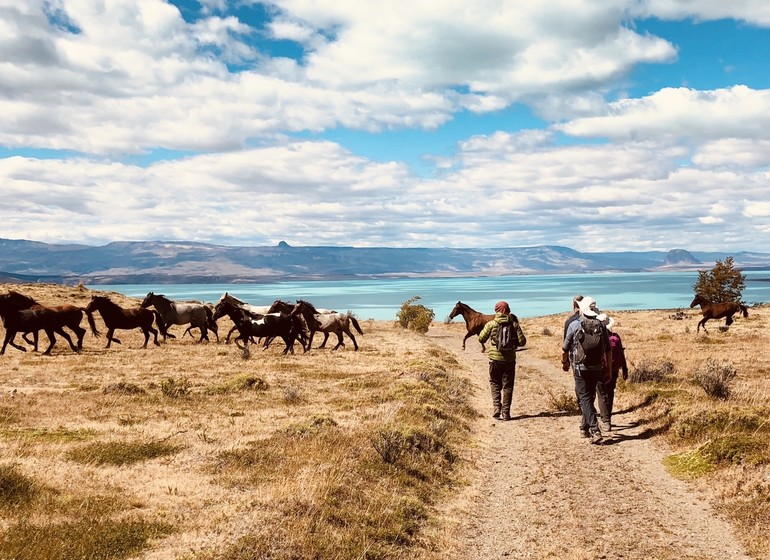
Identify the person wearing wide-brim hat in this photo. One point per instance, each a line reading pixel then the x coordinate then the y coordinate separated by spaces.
pixel 606 389
pixel 502 363
pixel 590 371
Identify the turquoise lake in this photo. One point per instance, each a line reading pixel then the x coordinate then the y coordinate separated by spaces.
pixel 528 295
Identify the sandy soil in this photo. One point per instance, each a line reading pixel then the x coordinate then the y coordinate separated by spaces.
pixel 542 491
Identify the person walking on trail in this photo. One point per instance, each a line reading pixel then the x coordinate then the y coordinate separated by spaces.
pixel 606 391
pixel 588 344
pixel 505 335
pixel 565 365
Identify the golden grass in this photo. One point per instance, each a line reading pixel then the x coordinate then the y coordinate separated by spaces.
pixel 188 451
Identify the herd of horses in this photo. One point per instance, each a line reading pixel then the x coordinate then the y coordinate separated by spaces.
pixel 475 320
pixel 297 322
pixel 292 323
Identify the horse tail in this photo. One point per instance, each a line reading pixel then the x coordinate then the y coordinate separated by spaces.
pixel 355 323
pixel 91 322
pixel 160 322
pixel 744 310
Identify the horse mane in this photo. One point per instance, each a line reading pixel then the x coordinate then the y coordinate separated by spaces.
pixel 20 299
pixel 107 301
pixel 309 305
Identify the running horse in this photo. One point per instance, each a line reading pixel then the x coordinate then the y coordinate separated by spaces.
pixel 22 314
pixel 254 325
pixel 116 317
pixel 337 323
pixel 178 313
pixel 474 320
pixel 724 310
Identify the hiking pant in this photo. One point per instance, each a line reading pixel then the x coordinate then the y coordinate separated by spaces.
pixel 606 394
pixel 502 375
pixel 586 381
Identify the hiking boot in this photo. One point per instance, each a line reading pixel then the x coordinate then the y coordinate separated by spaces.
pixel 605 427
pixel 505 416
pixel 496 413
pixel 585 433
pixel 596 437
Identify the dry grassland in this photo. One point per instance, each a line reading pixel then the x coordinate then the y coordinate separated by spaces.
pixel 187 451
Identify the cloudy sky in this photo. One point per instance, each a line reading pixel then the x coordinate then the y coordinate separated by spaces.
pixel 598 125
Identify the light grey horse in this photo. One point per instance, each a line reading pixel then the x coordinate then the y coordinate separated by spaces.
pixel 178 313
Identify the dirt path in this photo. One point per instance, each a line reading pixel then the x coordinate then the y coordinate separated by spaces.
pixel 542 491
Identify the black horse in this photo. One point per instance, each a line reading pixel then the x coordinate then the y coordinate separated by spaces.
pixel 724 310
pixel 22 314
pixel 251 326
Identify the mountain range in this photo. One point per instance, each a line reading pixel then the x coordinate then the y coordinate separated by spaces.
pixel 179 262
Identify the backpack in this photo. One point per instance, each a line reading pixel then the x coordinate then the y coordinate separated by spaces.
pixel 506 336
pixel 589 349
pixel 617 350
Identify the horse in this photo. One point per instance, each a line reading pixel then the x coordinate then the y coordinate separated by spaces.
pixel 474 320
pixel 235 302
pixel 212 324
pixel 337 323
pixel 252 325
pixel 724 310
pixel 116 317
pixel 177 313
pixel 23 314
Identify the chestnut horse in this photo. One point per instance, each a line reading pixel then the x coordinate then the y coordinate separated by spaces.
pixel 724 310
pixel 474 320
pixel 116 317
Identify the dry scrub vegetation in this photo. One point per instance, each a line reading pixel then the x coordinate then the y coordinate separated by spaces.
pixel 189 452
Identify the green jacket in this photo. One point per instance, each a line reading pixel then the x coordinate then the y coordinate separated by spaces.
pixel 489 332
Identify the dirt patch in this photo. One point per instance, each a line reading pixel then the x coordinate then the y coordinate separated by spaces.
pixel 542 491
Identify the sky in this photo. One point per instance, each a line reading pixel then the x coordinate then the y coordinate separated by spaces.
pixel 600 125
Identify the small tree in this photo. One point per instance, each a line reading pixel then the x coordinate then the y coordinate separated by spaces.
pixel 415 317
pixel 724 282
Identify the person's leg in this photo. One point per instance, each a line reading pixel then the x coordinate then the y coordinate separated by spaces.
pixel 605 405
pixel 585 387
pixel 495 386
pixel 508 380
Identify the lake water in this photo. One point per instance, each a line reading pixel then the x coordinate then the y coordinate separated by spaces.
pixel 528 295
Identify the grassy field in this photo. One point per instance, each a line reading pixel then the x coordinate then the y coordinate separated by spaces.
pixel 188 451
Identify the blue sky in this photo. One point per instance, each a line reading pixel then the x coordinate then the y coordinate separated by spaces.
pixel 616 125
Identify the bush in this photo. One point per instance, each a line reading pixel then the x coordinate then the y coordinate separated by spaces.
pixel 174 389
pixel 651 370
pixel 415 317
pixel 716 378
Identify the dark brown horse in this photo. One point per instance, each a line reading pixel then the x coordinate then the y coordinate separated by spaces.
pixel 116 317
pixel 22 314
pixel 337 323
pixel 474 320
pixel 722 310
pixel 252 326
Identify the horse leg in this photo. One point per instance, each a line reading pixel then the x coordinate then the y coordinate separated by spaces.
pixel 340 340
pixel 245 348
pixel 326 337
pixel 52 341
pixel 467 336
pixel 729 320
pixel 80 333
pixel 9 336
pixel 110 332
pixel 353 338
pixel 67 337
pixel 702 323
pixel 154 335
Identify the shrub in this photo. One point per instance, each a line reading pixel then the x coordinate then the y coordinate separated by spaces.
pixel 415 317
pixel 15 488
pixel 121 452
pixel 716 378
pixel 175 389
pixel 563 402
pixel 651 370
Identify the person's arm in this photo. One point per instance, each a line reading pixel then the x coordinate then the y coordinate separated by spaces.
pixel 485 332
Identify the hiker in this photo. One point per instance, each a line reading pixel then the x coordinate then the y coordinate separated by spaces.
pixel 575 315
pixel 606 391
pixel 587 342
pixel 502 360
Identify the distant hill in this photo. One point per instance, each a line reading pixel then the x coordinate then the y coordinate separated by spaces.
pixel 177 262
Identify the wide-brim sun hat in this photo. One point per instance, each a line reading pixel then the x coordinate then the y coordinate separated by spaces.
pixel 586 306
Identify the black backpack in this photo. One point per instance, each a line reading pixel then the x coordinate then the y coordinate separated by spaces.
pixel 589 349
pixel 506 336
